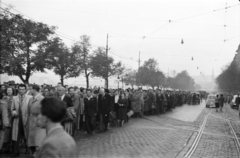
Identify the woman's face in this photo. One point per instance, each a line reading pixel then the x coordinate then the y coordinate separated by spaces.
pixel 9 91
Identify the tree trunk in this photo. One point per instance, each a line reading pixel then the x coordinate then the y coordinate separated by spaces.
pixel 62 80
pixel 87 78
pixel 27 77
pixel 25 81
pixel 28 72
pixel 106 82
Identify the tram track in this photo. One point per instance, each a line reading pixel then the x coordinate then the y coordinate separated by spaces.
pixel 201 131
pixel 235 136
pixel 197 139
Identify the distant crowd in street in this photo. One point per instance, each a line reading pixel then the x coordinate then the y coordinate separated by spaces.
pixel 24 108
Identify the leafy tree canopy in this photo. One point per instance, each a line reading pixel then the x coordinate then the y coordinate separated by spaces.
pixel 21 41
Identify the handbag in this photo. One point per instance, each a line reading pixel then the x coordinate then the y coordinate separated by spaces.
pixel 70 114
pixel 130 113
pixel 153 106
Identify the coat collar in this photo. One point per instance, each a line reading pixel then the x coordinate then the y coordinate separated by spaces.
pixel 37 97
pixel 89 97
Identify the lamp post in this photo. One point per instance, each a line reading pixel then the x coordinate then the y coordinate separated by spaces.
pixel 122 82
pixel 118 81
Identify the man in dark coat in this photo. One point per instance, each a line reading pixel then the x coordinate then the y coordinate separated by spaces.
pixel 194 99
pixel 90 111
pixel 104 109
pixel 160 101
pixel 157 102
pixel 67 122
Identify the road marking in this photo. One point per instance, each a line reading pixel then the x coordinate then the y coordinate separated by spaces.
pixel 197 139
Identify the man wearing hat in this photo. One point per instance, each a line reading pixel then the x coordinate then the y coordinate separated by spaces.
pixel 104 109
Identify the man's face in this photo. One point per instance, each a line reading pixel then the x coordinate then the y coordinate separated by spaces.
pixel 111 91
pixel 21 90
pixel 3 87
pixel 95 95
pixel 46 92
pixel 71 91
pixel 61 91
pixel 89 93
pixel 32 91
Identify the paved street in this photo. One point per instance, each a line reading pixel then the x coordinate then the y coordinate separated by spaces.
pixel 171 135
pixel 186 112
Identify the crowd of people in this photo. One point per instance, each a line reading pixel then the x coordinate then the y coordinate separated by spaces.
pixel 92 110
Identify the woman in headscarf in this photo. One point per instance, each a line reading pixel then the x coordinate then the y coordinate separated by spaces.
pixel 122 108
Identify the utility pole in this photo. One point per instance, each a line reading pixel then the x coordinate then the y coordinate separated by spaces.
pixel 122 82
pixel 106 80
pixel 168 72
pixel 139 61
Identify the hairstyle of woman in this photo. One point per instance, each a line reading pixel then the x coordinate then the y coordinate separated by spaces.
pixel 122 93
pixel 13 91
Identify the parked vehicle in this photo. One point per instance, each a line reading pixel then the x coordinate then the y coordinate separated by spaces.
pixel 191 101
pixel 233 104
pixel 210 102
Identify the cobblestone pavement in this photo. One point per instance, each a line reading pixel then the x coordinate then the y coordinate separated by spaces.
pixel 164 137
pixel 217 140
pixel 135 140
pixel 150 136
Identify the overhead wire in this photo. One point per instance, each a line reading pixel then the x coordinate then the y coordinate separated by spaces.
pixel 70 38
pixel 87 27
pixel 206 12
pixel 163 25
pixel 158 29
pixel 137 50
pixel 58 32
pixel 101 14
pixel 122 56
pixel 185 19
pixel 225 20
pixel 225 23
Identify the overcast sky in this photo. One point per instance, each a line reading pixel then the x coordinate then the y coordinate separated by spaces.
pixel 155 28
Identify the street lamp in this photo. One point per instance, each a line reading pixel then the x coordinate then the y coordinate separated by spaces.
pixel 118 81
pixel 122 82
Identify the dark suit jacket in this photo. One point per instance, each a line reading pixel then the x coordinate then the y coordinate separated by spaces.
pixel 57 144
pixel 111 102
pixel 68 101
pixel 104 104
pixel 90 106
